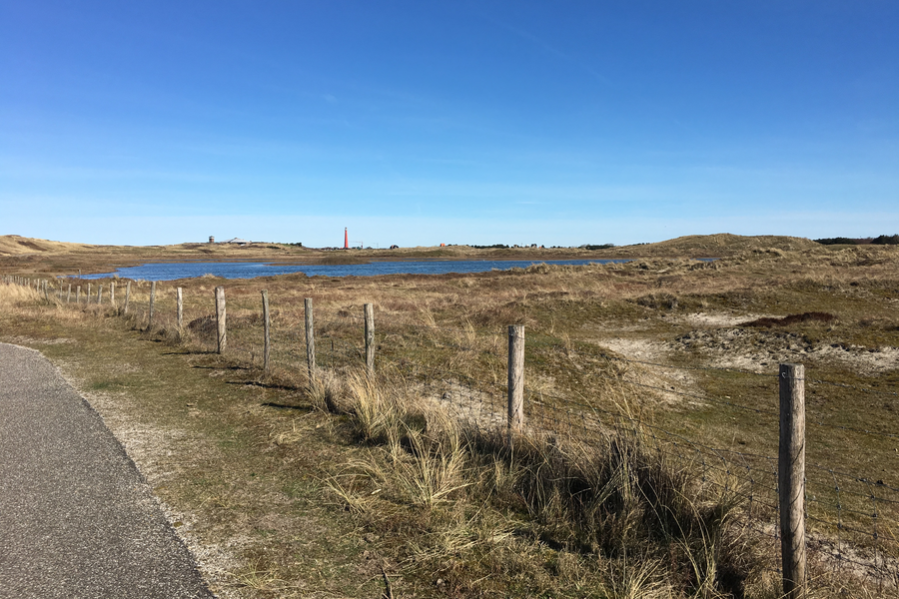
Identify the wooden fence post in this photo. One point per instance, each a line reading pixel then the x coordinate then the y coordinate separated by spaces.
pixel 791 479
pixel 152 303
pixel 87 298
pixel 127 297
pixel 180 298
pixel 266 330
pixel 220 318
pixel 516 377
pixel 99 295
pixel 310 339
pixel 112 294
pixel 69 294
pixel 78 294
pixel 370 339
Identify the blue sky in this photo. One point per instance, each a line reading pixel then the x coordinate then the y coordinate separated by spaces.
pixel 419 123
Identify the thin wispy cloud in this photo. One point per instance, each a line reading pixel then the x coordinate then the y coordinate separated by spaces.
pixel 490 122
pixel 556 52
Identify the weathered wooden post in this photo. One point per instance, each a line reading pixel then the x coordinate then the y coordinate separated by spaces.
pixel 220 315
pixel 516 378
pixel 266 332
pixel 69 294
pixel 370 339
pixel 791 479
pixel 100 295
pixel 152 303
pixel 127 297
pixel 78 294
pixel 87 298
pixel 310 339
pixel 180 299
pixel 112 294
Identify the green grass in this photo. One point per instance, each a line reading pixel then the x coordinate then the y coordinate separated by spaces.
pixel 270 446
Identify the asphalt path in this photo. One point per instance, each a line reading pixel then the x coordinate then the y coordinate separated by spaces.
pixel 77 520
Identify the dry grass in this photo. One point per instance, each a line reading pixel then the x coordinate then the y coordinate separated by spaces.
pixel 456 512
pixel 17 296
pixel 648 527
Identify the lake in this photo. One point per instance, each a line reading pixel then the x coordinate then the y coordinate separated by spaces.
pixel 251 270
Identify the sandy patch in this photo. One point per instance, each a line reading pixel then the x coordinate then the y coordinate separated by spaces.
pixel 761 351
pixel 637 349
pixel 719 319
pixel 33 341
pixel 467 404
pixel 664 384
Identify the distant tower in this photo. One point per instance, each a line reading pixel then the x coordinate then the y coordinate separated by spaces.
pixel 211 239
pixel 346 239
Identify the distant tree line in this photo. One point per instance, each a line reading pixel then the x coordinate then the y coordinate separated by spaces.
pixel 881 240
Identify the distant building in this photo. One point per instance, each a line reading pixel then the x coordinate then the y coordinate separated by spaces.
pixel 211 239
pixel 394 247
pixel 237 241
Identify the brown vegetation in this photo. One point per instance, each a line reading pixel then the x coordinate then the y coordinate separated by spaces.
pixel 791 319
pixel 440 506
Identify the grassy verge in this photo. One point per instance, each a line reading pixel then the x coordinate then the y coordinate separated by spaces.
pixel 344 488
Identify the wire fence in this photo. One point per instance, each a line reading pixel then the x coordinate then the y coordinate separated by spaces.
pixel 851 501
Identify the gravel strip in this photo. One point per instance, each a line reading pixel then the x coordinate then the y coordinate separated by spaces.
pixel 77 519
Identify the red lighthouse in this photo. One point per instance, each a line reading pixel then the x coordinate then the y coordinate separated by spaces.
pixel 346 239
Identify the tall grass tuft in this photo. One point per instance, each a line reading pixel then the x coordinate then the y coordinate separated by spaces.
pixel 16 295
pixel 658 531
pixel 325 393
pixel 621 498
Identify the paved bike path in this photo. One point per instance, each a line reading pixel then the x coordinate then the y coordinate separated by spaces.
pixel 77 520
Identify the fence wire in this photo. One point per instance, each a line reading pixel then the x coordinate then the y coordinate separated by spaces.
pixel 852 519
